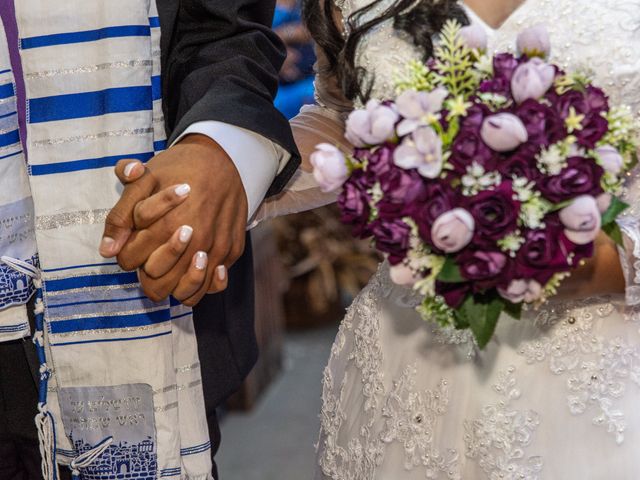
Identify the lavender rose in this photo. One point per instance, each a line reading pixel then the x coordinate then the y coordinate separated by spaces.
pixel 484 269
pixel 453 230
pixel 610 159
pixel 534 42
pixel 371 126
pixel 495 213
pixel 392 237
pixel 403 275
pixel 438 198
pixel 532 80
pixel 474 37
pixel 329 167
pixel 604 202
pixel 580 177
pixel 503 132
pixel 521 290
pixel 581 219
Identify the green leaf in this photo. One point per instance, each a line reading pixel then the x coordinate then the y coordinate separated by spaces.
pixel 450 272
pixel 613 230
pixel 481 313
pixel 616 208
pixel 514 310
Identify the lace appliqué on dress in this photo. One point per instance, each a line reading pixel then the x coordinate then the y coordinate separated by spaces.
pixel 598 370
pixel 498 439
pixel 401 415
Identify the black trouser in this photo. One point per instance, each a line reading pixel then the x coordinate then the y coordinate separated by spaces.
pixel 19 448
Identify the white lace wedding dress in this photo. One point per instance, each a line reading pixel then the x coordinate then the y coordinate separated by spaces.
pixel 554 396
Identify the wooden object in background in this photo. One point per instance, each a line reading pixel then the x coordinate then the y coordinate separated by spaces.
pixel 271 283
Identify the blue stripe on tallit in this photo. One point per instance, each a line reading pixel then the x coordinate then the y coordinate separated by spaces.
pixel 6 90
pixel 125 278
pixel 90 104
pixel 11 155
pixel 13 328
pixel 7 115
pixel 85 36
pixel 115 321
pixel 154 22
pixel 196 449
pixel 9 138
pixel 156 87
pixel 107 340
pixel 75 267
pixel 88 164
pixel 160 145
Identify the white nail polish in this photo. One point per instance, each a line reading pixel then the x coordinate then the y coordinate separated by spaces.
pixel 185 233
pixel 183 190
pixel 201 260
pixel 221 272
pixel 129 168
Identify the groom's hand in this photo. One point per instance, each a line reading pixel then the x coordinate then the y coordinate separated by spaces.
pixel 145 229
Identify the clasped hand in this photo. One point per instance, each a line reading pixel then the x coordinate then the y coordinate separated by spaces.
pixel 180 221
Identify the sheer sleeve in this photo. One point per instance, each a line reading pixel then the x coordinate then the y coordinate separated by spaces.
pixel 320 123
pixel 630 253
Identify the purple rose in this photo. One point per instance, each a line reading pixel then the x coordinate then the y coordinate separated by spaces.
pixel 581 219
pixel 392 237
pixel 541 256
pixel 467 148
pixel 354 206
pixel 532 80
pixel 544 125
pixel 534 41
pixel 401 189
pixel 521 290
pixel 521 163
pixel 453 230
pixel 438 198
pixel 484 269
pixel 495 213
pixel 581 176
pixel 453 293
pixel 503 132
pixel 504 65
pixel 592 104
pixel 380 161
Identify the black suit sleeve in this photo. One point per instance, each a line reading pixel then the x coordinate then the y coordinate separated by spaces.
pixel 222 65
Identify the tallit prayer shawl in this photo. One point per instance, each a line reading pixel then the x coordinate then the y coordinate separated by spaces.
pixel 120 393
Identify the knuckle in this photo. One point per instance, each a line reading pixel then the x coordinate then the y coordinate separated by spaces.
pixel 126 263
pixel 174 248
pixel 117 219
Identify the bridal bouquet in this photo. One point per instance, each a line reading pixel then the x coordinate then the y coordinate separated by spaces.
pixel 486 180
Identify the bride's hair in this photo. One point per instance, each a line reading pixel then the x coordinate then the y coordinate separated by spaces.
pixel 421 20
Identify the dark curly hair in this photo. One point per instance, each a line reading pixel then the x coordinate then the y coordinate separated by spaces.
pixel 421 20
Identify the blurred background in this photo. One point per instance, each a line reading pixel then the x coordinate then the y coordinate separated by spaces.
pixel 308 269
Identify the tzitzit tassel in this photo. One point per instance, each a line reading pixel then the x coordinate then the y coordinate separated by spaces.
pixel 87 458
pixel 45 423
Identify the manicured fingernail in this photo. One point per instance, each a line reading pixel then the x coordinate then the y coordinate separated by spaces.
pixel 221 272
pixel 185 233
pixel 201 260
pixel 183 190
pixel 106 245
pixel 129 168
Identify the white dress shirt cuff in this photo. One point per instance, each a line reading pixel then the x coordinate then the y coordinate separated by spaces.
pixel 257 159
